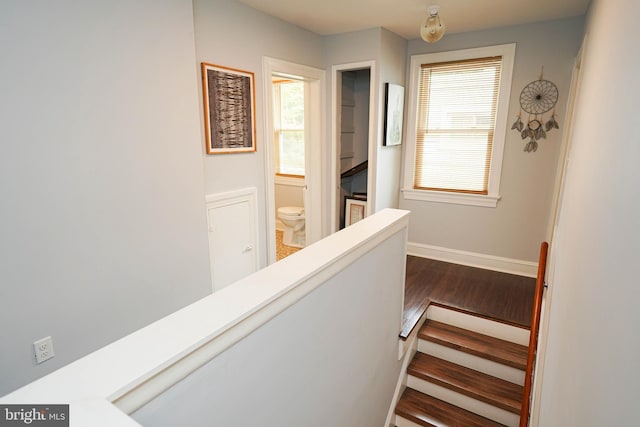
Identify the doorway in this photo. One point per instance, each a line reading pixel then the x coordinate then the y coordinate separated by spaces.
pixel 289 182
pixel 353 145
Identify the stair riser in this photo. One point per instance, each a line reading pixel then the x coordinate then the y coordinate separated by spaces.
pixel 470 404
pixel 403 422
pixel 479 324
pixel 471 361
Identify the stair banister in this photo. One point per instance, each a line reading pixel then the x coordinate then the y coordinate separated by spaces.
pixel 533 338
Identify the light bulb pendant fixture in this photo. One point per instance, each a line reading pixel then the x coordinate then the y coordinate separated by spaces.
pixel 433 28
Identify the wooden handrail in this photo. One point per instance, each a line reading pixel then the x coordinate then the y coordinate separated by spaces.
pixel 533 335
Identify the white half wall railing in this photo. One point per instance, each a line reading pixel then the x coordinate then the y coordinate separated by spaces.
pixel 309 341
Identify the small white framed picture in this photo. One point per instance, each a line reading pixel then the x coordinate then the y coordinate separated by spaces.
pixel 355 210
pixel 393 114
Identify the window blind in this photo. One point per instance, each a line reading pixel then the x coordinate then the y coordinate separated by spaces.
pixel 455 127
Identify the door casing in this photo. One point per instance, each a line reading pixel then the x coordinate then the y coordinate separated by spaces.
pixel 314 79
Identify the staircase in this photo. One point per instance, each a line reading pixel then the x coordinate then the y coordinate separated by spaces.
pixel 467 371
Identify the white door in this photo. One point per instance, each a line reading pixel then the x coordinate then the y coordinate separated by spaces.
pixel 232 240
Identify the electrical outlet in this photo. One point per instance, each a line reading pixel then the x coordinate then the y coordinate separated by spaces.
pixel 43 349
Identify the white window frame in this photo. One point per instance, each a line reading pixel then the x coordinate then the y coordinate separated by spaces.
pixel 277 97
pixel 507 51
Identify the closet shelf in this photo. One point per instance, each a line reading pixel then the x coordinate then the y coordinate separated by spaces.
pixel 346 155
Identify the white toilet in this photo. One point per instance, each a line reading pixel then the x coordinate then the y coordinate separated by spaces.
pixel 293 219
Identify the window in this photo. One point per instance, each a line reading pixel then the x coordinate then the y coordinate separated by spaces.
pixel 459 108
pixel 288 126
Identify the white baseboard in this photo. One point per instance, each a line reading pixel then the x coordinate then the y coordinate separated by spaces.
pixel 279 225
pixel 472 259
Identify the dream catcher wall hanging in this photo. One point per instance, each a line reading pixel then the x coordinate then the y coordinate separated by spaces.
pixel 536 99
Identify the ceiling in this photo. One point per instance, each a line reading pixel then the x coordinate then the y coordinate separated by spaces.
pixel 404 17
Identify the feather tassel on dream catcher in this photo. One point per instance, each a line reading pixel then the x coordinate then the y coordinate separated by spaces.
pixel 536 99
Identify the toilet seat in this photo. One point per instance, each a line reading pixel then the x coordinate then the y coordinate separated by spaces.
pixel 291 211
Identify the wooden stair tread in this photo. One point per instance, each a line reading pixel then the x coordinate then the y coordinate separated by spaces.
pixel 431 412
pixel 412 318
pixel 497 350
pixel 486 388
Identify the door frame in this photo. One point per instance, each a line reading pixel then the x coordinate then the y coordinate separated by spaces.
pixel 336 95
pixel 314 135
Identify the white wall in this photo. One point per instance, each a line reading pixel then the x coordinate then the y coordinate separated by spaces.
pixel 519 223
pixel 393 52
pixel 388 50
pixel 263 351
pixel 102 224
pixel 591 375
pixel 231 34
pixel 351 47
pixel 329 360
pixel 348 48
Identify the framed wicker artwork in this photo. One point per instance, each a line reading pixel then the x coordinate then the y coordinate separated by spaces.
pixel 229 109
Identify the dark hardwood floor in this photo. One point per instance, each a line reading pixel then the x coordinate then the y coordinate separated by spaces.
pixel 501 296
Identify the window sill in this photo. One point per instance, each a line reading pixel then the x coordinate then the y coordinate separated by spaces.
pixel 488 201
pixel 294 181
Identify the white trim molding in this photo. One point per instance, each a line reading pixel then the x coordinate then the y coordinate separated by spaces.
pixel 315 149
pixel 229 197
pixel 447 197
pixel 473 259
pixel 291 181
